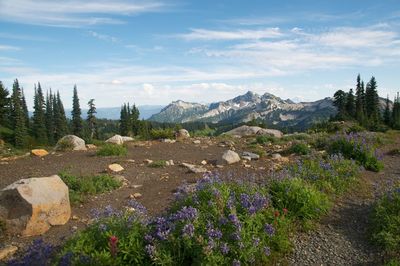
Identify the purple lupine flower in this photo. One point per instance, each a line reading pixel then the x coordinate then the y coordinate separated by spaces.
pixel 224 248
pixel 267 251
pixel 150 250
pixel 223 221
pixel 137 206
pixel 235 220
pixel 256 241
pixel 213 232
pixel 186 213
pixel 188 230
pixel 163 228
pixel 103 227
pixel 269 229
pixel 236 236
pixel 148 238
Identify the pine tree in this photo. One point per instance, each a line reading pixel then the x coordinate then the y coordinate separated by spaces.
pixel 5 108
pixel 372 102
pixel 60 120
pixel 124 121
pixel 18 117
pixel 25 110
pixel 350 104
pixel 387 117
pixel 144 129
pixel 360 100
pixel 91 119
pixel 39 120
pixel 77 123
pixel 340 103
pixel 49 115
pixel 396 112
pixel 134 119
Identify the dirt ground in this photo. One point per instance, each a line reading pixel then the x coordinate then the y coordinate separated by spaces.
pixel 157 184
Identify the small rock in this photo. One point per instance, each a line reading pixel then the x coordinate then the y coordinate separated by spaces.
pixel 168 140
pixel 136 186
pixel 204 162
pixel 219 166
pixel 194 168
pixel 121 179
pixel 182 134
pixel 130 161
pixel 115 168
pixel 230 157
pixel 135 195
pixel 7 252
pixel 247 158
pixel 74 217
pixel 252 155
pixel 196 141
pixel 39 152
pixel 170 163
pixel 148 161
pixel 91 146
pixel 276 156
pixel 247 165
pixel 74 228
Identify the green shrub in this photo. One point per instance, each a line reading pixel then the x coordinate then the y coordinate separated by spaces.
pixel 112 150
pixel 300 148
pixel 65 145
pixel 302 200
pixel 207 132
pixel 359 147
pixel 81 187
pixel 386 222
pixel 158 164
pixel 167 133
pixel 263 139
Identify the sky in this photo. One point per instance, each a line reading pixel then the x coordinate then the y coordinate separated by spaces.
pixel 155 51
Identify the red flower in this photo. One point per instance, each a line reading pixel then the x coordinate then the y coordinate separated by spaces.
pixel 285 211
pixel 113 241
pixel 276 214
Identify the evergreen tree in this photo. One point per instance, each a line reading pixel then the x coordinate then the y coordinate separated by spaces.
pixel 39 120
pixel 49 115
pixel 134 120
pixel 340 103
pixel 60 120
pixel 396 112
pixel 350 104
pixel 25 110
pixel 387 118
pixel 124 121
pixel 77 123
pixel 144 129
pixel 360 100
pixel 372 102
pixel 18 117
pixel 91 120
pixel 5 108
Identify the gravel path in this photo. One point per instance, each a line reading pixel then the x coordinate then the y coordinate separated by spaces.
pixel 342 237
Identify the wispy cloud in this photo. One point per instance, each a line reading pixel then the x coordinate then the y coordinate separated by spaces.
pixel 210 35
pixel 103 37
pixel 8 48
pixel 73 13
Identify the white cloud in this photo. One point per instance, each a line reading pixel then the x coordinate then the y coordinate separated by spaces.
pixel 8 48
pixel 103 37
pixel 209 35
pixel 72 13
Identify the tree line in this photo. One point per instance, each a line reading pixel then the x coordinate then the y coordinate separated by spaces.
pixel 364 106
pixel 48 123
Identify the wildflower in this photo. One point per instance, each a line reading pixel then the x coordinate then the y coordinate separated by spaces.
pixel 276 213
pixel 113 242
pixel 224 248
pixel 269 229
pixel 103 227
pixel 188 230
pixel 285 211
pixel 236 262
pixel 150 250
pixel 267 251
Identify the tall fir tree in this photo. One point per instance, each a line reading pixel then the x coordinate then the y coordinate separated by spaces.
pixel 340 103
pixel 360 101
pixel 60 120
pixel 91 119
pixel 350 104
pixel 134 119
pixel 49 116
pixel 124 121
pixel 18 117
pixel 396 112
pixel 372 102
pixel 5 108
pixel 39 121
pixel 387 116
pixel 77 123
pixel 25 109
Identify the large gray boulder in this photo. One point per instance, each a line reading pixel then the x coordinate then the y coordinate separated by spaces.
pixel 31 206
pixel 244 131
pixel 119 140
pixel 71 142
pixel 230 157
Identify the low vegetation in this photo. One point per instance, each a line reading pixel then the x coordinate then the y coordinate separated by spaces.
pixel 80 187
pixel 299 148
pixel 386 223
pixel 168 133
pixel 112 150
pixel 158 164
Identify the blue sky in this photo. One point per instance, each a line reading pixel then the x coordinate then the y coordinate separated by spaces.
pixel 153 52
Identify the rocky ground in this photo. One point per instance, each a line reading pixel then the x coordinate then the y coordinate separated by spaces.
pixel 342 237
pixel 155 185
